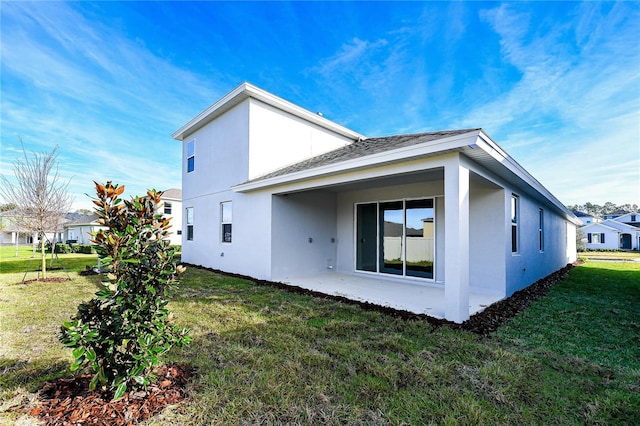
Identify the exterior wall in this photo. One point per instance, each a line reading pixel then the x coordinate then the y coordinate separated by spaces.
pixel 530 264
pixel 247 141
pixel 176 220
pixel 80 233
pixel 221 160
pixel 278 139
pixel 303 234
pixel 249 252
pixel 487 238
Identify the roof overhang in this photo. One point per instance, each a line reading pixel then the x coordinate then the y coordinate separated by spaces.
pixel 475 144
pixel 246 91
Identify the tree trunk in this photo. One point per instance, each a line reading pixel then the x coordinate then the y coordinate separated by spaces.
pixel 44 257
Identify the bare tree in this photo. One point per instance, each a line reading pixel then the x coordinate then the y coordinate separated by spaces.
pixel 41 198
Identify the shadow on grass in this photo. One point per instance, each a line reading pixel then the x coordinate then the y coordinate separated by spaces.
pixel 16 373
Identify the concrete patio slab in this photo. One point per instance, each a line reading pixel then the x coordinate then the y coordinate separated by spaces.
pixel 416 297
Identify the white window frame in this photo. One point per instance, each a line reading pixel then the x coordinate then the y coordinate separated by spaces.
pixel 191 155
pixel 189 223
pixel 167 206
pixel 226 220
pixel 541 230
pixel 515 222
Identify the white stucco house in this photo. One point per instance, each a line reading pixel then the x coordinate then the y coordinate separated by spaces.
pixel 171 206
pixel 79 230
pixel 613 234
pixel 440 223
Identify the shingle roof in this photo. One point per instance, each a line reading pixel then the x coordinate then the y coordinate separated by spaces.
pixel 363 148
pixel 173 193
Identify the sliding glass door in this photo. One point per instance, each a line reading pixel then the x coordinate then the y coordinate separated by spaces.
pixel 396 237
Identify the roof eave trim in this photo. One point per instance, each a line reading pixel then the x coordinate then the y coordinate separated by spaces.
pixel 494 150
pixel 400 154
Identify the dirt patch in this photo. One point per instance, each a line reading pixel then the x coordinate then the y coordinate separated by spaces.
pixel 69 401
pixel 483 323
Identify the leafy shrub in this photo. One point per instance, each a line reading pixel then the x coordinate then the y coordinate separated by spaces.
pixel 61 248
pixel 122 331
pixel 84 248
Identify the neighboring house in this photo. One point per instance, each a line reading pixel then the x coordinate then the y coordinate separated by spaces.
pixel 171 206
pixel 612 235
pixel 80 229
pixel 586 218
pixel 442 223
pixel 632 219
pixel 11 233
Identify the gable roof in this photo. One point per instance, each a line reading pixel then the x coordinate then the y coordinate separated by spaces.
pixel 623 218
pixel 613 225
pixel 86 219
pixel 245 91
pixel 362 148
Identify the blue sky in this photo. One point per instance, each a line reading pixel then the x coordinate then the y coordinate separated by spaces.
pixel 556 84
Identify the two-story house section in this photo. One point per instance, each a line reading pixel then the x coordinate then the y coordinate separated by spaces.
pixel 442 223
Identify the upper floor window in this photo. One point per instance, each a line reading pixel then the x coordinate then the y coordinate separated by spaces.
pixel 189 215
pixel 226 217
pixel 633 218
pixel 515 219
pixel 191 155
pixel 167 208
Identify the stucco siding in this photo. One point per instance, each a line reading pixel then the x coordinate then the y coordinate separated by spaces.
pixel 249 252
pixel 303 234
pixel 221 155
pixel 278 139
pixel 530 264
pixel 487 238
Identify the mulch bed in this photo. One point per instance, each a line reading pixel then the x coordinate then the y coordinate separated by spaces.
pixel 47 280
pixel 69 401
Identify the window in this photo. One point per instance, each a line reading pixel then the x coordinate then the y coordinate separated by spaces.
pixel 541 230
pixel 515 218
pixel 595 238
pixel 189 223
pixel 167 208
pixel 191 155
pixel 179 232
pixel 225 220
pixel 396 237
pixel 633 218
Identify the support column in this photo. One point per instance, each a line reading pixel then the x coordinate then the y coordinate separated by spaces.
pixel 456 237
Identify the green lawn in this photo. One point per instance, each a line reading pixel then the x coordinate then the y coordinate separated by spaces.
pixel 267 356
pixel 609 255
pixel 26 261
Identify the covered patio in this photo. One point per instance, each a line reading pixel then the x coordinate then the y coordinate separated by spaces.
pixel 416 297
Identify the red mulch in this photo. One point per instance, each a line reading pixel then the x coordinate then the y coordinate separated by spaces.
pixel 69 401
pixel 47 280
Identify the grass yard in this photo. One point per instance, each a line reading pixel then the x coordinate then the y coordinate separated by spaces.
pixel 267 356
pixel 609 255
pixel 26 261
